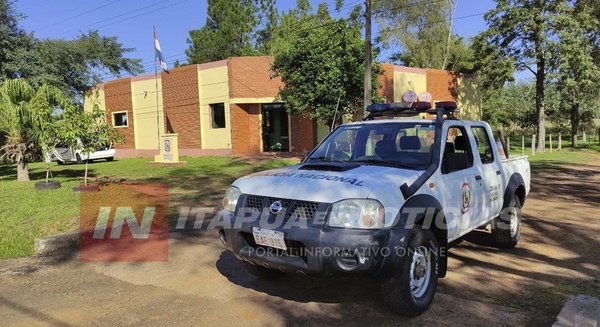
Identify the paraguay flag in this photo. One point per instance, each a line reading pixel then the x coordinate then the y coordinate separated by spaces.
pixel 159 55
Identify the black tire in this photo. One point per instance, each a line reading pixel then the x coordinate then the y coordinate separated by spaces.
pixel 406 294
pixel 506 228
pixel 60 163
pixel 78 158
pixel 110 159
pixel 261 272
pixel 51 185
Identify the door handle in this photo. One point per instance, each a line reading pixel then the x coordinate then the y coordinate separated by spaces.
pixel 498 172
pixel 478 177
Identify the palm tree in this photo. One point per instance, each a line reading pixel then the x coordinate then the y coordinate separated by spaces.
pixel 25 121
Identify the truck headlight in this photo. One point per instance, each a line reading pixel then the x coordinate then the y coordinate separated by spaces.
pixel 231 198
pixel 358 213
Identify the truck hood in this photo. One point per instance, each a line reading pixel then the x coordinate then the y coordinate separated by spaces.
pixel 328 182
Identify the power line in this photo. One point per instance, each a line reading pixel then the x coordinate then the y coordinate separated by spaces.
pixel 407 6
pixel 78 15
pixel 157 9
pixel 125 14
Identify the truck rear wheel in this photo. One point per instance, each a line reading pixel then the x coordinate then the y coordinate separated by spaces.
pixel 506 228
pixel 411 290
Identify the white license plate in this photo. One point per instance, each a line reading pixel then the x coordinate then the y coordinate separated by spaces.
pixel 269 237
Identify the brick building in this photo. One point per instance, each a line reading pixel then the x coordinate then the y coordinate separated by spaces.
pixel 229 107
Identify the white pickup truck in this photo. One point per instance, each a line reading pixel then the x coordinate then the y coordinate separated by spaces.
pixel 380 198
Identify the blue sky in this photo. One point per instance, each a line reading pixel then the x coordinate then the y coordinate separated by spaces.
pixel 132 20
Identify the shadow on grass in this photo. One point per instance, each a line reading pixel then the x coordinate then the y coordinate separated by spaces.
pixel 8 172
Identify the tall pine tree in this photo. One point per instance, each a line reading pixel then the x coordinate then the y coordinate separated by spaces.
pixel 228 32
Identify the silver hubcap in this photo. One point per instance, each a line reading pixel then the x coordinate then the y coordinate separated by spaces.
pixel 420 271
pixel 514 220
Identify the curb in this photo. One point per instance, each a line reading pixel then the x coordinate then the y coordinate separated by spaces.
pixel 56 244
pixel 580 310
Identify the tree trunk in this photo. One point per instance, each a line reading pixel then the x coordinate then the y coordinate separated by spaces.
pixel 453 5
pixel 22 171
pixel 540 78
pixel 575 118
pixel 86 172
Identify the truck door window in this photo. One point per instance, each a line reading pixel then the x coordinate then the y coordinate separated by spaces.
pixel 484 146
pixel 457 151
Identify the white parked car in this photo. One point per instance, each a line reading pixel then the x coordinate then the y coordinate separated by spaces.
pixel 63 154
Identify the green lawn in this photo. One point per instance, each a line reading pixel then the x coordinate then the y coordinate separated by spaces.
pixel 26 214
pixel 556 157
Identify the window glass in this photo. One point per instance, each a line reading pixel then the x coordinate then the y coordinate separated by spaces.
pixel 392 144
pixel 457 151
pixel 120 119
pixel 217 112
pixel 484 146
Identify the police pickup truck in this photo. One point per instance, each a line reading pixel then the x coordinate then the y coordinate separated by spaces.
pixel 380 198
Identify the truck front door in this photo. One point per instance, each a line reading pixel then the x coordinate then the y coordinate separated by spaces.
pixel 462 187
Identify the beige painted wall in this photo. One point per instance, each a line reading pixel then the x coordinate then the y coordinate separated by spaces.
pixel 404 81
pixel 147 129
pixel 213 84
pixel 322 131
pixel 97 95
pixel 469 98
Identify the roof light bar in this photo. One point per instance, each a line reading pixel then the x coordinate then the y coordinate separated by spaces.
pixel 446 105
pixel 399 107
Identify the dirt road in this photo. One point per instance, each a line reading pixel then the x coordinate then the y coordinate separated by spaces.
pixel 203 285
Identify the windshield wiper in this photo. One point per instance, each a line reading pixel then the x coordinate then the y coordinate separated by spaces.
pixel 325 159
pixel 372 161
pixel 375 161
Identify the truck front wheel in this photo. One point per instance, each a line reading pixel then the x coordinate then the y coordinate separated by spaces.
pixel 411 290
pixel 506 228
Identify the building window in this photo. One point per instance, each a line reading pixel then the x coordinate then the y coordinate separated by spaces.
pixel 217 112
pixel 120 119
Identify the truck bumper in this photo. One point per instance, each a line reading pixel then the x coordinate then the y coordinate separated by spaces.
pixel 322 251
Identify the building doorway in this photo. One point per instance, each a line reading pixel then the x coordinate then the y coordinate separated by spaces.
pixel 275 127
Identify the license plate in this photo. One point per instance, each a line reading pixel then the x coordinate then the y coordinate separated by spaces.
pixel 269 237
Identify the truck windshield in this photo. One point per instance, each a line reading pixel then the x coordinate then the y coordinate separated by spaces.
pixel 396 144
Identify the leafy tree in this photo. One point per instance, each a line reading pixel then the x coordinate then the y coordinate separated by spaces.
pixel 87 131
pixel 13 39
pixel 419 28
pixel 270 16
pixel 287 27
pixel 510 106
pixel 578 73
pixel 26 121
pixel 525 31
pixel 228 32
pixel 492 68
pixel 75 65
pixel 70 65
pixel 322 67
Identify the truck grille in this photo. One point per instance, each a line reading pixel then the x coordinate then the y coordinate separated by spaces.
pixel 304 210
pixel 299 209
pixel 253 203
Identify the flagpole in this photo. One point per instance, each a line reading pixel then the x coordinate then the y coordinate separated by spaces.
pixel 156 84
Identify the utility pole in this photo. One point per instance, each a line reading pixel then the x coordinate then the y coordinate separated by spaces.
pixel 367 53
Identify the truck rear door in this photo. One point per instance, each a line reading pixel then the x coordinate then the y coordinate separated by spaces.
pixel 489 174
